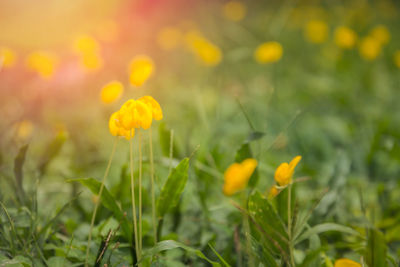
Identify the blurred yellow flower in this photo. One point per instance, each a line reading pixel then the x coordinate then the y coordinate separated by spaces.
pixel 316 31
pixel 7 57
pixel 91 61
pixel 268 52
pixel 273 192
pixel 24 129
pixel 237 176
pixel 111 92
pixel 206 51
pixel 346 263
pixel 116 129
pixel 396 58
pixel 140 69
pixel 86 44
pixel 135 114
pixel 370 48
pixel 284 173
pixel 381 34
pixel 44 63
pixel 169 38
pixel 154 106
pixel 234 10
pixel 345 37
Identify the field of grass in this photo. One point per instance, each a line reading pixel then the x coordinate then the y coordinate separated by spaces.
pixel 200 133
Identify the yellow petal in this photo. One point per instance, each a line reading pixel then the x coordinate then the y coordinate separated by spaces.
pixel 345 37
pixel 44 63
pixel 154 106
pixel 346 263
pixel 316 31
pixel 7 57
pixel 111 92
pixel 268 52
pixel 237 176
pixel 140 70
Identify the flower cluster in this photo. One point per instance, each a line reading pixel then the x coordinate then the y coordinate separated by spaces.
pixel 134 114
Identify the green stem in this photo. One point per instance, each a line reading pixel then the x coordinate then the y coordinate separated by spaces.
pixel 133 197
pixel 140 191
pixel 153 195
pixel 290 225
pixel 246 226
pixel 99 200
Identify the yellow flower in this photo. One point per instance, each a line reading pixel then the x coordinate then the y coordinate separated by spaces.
pixel 284 173
pixel 237 175
pixel 86 44
pixel 140 70
pixel 7 57
pixel 396 58
pixel 346 263
pixel 273 192
pixel 345 37
pixel 370 48
pixel 91 61
pixel 169 38
pixel 205 50
pixel 44 63
pixel 381 34
pixel 111 92
pixel 24 129
pixel 154 106
pixel 135 114
pixel 116 129
pixel 234 10
pixel 316 31
pixel 268 52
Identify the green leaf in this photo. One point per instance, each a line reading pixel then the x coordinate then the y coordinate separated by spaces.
pixel 108 201
pixel 173 188
pixel 376 249
pixel 18 171
pixel 262 253
pixel 58 262
pixel 171 244
pixel 268 223
pixel 326 227
pixel 219 256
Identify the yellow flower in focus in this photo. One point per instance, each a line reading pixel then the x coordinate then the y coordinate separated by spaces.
pixel 345 37
pixel 237 176
pixel 381 34
pixel 111 92
pixel 154 106
pixel 116 129
pixel 140 70
pixel 135 114
pixel 206 51
pixel 84 44
pixel 7 57
pixel 91 61
pixel 24 129
pixel 44 63
pixel 169 38
pixel 273 192
pixel 316 31
pixel 346 263
pixel 370 48
pixel 284 173
pixel 396 58
pixel 234 10
pixel 268 52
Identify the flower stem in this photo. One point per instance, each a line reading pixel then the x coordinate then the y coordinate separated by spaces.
pixel 140 191
pixel 99 199
pixel 133 198
pixel 290 225
pixel 153 196
pixel 246 227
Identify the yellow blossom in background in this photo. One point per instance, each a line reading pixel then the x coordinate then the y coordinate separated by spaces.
pixel 116 129
pixel 268 52
pixel 154 106
pixel 7 57
pixel 234 10
pixel 370 48
pixel 140 69
pixel 111 92
pixel 205 50
pixel 169 38
pixel 24 129
pixel 346 263
pixel 396 58
pixel 44 63
pixel 135 114
pixel 381 34
pixel 284 173
pixel 316 31
pixel 86 44
pixel 237 176
pixel 345 37
pixel 91 61
pixel 273 192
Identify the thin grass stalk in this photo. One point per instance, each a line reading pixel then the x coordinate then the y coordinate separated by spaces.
pixel 99 200
pixel 153 196
pixel 290 225
pixel 140 191
pixel 133 197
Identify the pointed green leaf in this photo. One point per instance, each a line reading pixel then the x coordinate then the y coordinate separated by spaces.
pixel 376 249
pixel 325 227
